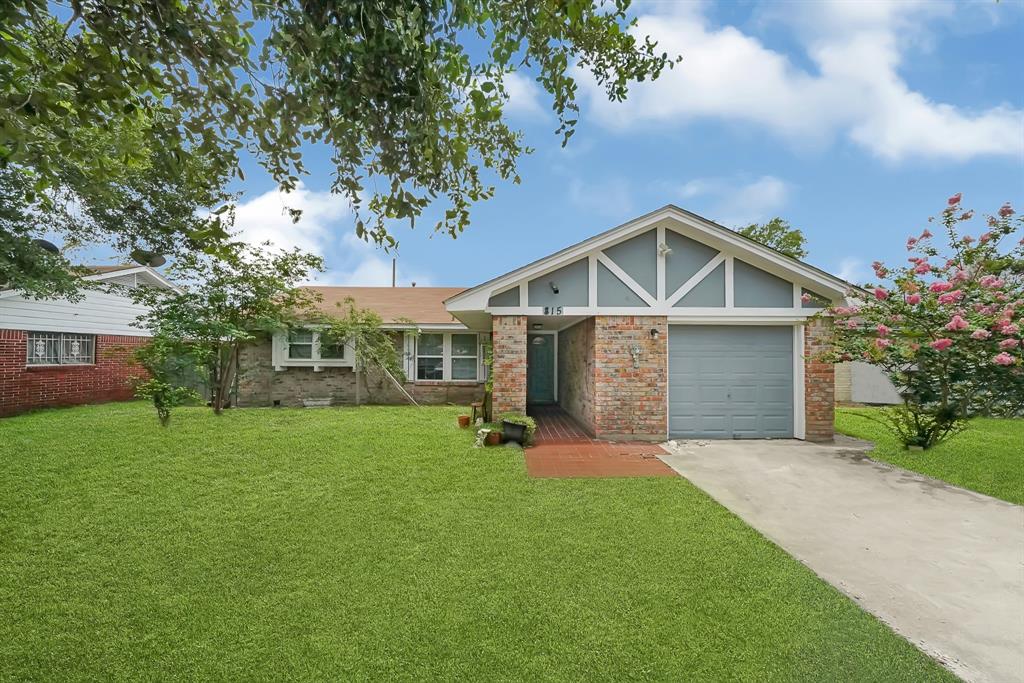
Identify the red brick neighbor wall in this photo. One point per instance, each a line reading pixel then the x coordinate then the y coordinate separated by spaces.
pixel 509 367
pixel 630 402
pixel 819 383
pixel 25 388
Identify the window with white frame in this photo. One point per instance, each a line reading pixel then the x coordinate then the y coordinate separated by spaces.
pixel 305 344
pixel 447 356
pixel 60 348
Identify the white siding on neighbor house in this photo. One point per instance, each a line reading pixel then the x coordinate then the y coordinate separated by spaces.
pixel 95 313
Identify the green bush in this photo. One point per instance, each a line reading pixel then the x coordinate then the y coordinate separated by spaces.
pixel 519 419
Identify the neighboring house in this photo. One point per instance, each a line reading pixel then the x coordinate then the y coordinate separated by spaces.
pixel 863 383
pixel 57 352
pixel 666 326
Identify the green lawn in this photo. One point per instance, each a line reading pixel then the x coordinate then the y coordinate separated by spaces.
pixel 374 543
pixel 988 457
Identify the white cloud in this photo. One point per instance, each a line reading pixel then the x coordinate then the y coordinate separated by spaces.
pixel 325 229
pixel 734 202
pixel 852 270
pixel 265 218
pixel 855 90
pixel 523 96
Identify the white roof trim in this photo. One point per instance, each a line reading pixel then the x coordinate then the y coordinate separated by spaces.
pixel 100 277
pixel 471 298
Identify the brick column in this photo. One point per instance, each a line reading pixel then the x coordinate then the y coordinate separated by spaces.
pixel 509 368
pixel 630 398
pixel 819 383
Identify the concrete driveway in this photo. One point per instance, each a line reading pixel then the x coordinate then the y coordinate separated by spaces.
pixel 944 567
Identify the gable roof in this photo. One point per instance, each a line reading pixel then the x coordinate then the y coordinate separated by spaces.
pixel 103 270
pixel 719 233
pixel 424 305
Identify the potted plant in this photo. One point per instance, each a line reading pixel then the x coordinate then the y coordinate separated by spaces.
pixel 493 438
pixel 463 421
pixel 519 428
pixel 513 432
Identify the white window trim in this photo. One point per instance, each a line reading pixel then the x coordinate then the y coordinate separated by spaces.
pixel 446 363
pixel 281 360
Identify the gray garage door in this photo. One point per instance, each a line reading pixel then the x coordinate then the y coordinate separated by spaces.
pixel 730 382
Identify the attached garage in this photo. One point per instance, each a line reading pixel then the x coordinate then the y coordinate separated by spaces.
pixel 730 381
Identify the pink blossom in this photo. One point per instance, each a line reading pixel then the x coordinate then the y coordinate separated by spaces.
pixel 985 237
pixel 914 346
pixel 951 297
pixel 913 299
pixel 956 323
pixel 940 286
pixel 961 276
pixel 1003 359
pixel 880 270
pixel 883 331
pixel 1009 328
pixel 851 324
pixel 911 241
pixel 967 215
pixel 881 294
pixel 922 268
pixel 991 282
pixel 805 298
pixel 967 239
pixel 883 343
pixel 1008 344
pixel 1005 211
pixel 955 199
pixel 980 334
pixel 926 234
pixel 941 344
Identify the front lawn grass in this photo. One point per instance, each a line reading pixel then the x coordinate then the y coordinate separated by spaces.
pixel 988 457
pixel 376 544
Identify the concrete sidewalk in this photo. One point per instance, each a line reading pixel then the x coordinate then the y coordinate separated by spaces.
pixel 944 567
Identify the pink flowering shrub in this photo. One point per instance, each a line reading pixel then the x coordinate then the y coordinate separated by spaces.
pixel 945 327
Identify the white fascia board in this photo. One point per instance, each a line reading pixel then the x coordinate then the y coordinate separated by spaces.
pixel 692 226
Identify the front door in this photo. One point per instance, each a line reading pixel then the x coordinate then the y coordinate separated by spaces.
pixel 540 368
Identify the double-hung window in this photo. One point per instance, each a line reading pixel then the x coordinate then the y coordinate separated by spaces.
pixel 442 356
pixel 60 348
pixel 311 345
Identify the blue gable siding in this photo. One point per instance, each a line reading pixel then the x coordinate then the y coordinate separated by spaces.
pixel 572 282
pixel 638 257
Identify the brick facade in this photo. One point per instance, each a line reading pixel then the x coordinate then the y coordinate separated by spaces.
pixel 630 397
pixel 24 388
pixel 576 372
pixel 509 368
pixel 819 383
pixel 260 385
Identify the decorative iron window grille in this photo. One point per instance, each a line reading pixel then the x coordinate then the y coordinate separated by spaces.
pixel 60 348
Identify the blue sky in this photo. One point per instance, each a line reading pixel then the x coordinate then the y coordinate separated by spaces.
pixel 852 120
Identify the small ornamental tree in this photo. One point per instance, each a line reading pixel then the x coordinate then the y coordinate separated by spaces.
pixel 164 360
pixel 223 304
pixel 945 327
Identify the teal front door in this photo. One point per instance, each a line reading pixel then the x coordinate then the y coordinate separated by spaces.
pixel 540 368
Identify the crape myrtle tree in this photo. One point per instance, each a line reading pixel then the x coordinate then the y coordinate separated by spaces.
pixel 945 327
pixel 223 304
pixel 408 95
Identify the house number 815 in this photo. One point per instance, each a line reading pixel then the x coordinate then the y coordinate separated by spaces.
pixel 552 310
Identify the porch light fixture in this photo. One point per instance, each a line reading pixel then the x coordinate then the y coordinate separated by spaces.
pixel 538 326
pixel 554 287
pixel 655 333
pixel 538 340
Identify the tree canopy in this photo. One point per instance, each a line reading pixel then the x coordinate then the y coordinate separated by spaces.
pixel 778 235
pixel 408 95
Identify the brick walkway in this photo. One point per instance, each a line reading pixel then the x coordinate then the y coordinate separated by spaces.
pixel 563 449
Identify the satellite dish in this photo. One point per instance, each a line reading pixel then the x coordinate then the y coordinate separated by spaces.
pixel 46 245
pixel 148 258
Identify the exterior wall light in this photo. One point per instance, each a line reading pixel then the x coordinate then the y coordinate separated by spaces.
pixel 664 249
pixel 554 287
pixel 655 333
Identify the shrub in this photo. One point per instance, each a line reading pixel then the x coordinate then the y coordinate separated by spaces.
pixel 519 419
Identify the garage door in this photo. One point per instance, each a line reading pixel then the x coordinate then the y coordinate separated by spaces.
pixel 730 382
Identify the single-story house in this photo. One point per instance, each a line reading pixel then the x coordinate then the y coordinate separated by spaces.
pixel 666 326
pixel 57 352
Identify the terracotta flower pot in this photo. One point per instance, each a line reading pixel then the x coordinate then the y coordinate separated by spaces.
pixel 493 438
pixel 463 421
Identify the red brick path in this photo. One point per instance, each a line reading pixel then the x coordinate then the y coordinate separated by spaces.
pixel 564 450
